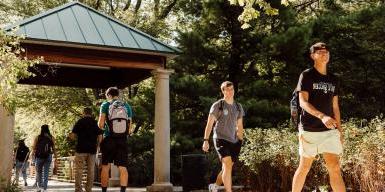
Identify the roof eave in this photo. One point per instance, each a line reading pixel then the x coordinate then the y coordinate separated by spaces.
pixel 98 47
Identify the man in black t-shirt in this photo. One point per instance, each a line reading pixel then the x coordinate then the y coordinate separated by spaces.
pixel 88 136
pixel 320 130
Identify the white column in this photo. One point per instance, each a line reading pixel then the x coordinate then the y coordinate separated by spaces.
pixel 162 132
pixel 6 143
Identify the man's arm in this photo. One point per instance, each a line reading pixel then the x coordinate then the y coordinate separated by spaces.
pixel 74 130
pixel 99 139
pixel 337 114
pixel 101 121
pixel 240 130
pixel 72 136
pixel 209 126
pixel 129 128
pixel 326 120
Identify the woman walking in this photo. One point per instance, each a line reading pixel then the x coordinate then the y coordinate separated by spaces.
pixel 43 148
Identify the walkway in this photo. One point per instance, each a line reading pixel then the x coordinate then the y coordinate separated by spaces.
pixel 57 186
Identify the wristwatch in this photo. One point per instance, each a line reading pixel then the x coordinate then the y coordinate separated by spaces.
pixel 205 139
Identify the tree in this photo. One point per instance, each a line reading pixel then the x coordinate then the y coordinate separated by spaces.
pixel 12 67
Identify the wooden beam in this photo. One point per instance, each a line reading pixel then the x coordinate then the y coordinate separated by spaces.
pixel 81 56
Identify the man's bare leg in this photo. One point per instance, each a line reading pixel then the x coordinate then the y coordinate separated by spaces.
pixel 105 174
pixel 332 162
pixel 301 173
pixel 123 176
pixel 227 166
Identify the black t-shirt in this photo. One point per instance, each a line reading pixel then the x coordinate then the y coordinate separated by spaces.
pixel 87 132
pixel 321 89
pixel 21 153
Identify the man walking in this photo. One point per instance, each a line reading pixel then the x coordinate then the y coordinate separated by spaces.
pixel 115 118
pixel 320 130
pixel 228 134
pixel 88 136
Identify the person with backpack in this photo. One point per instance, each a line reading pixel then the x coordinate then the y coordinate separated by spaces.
pixel 22 153
pixel 43 149
pixel 320 130
pixel 115 119
pixel 227 114
pixel 88 136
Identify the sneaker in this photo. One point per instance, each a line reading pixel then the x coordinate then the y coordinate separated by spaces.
pixel 213 187
pixel 44 190
pixel 38 189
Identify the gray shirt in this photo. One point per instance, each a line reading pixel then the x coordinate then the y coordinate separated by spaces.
pixel 226 125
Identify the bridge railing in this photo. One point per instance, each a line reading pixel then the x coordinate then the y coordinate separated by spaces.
pixel 65 170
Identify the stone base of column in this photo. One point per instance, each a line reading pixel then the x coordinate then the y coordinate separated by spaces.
pixel 160 187
pixel 114 182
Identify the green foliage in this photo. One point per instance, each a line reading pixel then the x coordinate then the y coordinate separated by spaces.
pixel 58 107
pixel 271 155
pixel 251 12
pixel 141 158
pixel 12 67
pixel 264 62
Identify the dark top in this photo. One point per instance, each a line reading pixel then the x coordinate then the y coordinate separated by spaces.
pixel 22 153
pixel 321 89
pixel 87 132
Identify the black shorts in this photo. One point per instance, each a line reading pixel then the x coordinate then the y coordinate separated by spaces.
pixel 114 150
pixel 226 148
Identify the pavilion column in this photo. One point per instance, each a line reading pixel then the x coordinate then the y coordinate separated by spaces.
pixel 6 143
pixel 162 132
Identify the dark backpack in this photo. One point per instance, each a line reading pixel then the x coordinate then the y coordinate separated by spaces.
pixel 22 153
pixel 43 147
pixel 295 108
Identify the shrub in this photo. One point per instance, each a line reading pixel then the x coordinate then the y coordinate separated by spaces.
pixel 270 157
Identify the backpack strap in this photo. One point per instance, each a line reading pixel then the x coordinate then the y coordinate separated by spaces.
pixel 220 108
pixel 238 106
pixel 221 104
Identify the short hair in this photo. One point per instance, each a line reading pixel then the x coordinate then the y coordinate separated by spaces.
pixel 87 111
pixel 226 84
pixel 113 91
pixel 318 46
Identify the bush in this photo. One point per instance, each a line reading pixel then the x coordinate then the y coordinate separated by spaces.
pixel 270 157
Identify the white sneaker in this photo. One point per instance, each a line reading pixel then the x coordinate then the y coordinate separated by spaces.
pixel 38 189
pixel 213 187
pixel 44 190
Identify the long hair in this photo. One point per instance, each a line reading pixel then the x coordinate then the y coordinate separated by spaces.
pixel 45 130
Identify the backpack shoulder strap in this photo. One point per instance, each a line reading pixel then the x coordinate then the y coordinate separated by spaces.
pixel 221 105
pixel 238 106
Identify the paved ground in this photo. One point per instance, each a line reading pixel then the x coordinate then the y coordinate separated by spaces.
pixel 57 186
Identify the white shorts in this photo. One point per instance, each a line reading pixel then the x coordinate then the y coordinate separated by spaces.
pixel 313 143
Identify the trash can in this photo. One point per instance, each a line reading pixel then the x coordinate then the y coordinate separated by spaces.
pixel 194 168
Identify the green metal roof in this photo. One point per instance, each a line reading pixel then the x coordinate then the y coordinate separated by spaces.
pixel 77 23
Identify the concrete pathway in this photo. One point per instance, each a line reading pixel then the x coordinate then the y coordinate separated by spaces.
pixel 57 186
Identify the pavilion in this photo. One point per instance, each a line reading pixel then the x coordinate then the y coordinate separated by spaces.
pixel 83 47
